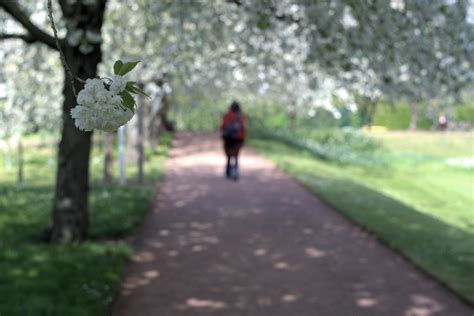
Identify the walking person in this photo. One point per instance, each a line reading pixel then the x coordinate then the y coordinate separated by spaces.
pixel 233 130
pixel 442 122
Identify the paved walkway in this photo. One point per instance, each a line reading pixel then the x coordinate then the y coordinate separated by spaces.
pixel 263 246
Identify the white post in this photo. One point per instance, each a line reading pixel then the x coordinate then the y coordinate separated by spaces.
pixel 140 136
pixel 121 154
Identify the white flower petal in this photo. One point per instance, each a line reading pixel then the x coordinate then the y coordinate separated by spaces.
pixel 118 84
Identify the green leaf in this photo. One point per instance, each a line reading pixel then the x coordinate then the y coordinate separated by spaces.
pixel 128 100
pixel 130 87
pixel 140 91
pixel 117 66
pixel 127 67
pixel 131 90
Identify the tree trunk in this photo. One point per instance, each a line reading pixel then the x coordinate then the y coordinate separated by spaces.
pixel 291 121
pixel 70 207
pixel 291 114
pixel 371 107
pixel 20 162
pixel 413 116
pixel 369 121
pixel 153 134
pixel 108 140
pixel 165 123
pixel 154 122
pixel 140 137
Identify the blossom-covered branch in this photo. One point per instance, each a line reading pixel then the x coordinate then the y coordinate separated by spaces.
pixel 106 104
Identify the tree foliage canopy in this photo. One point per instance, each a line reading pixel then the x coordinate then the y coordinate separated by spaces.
pixel 303 53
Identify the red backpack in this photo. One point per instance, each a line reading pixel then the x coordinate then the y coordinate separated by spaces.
pixel 232 129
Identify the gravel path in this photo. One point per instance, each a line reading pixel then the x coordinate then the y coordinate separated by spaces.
pixel 263 246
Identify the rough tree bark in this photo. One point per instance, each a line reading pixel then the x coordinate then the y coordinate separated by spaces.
pixel 70 207
pixel 165 123
pixel 70 211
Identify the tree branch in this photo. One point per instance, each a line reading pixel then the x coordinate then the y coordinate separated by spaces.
pixel 28 38
pixel 280 17
pixel 61 53
pixel 12 8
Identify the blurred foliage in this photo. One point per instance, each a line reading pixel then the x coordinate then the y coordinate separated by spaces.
pixel 345 147
pixel 465 114
pixel 40 160
pixel 199 114
pixel 397 117
pixel 77 279
pixel 196 115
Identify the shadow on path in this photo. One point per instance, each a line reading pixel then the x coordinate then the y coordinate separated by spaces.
pixel 263 246
pixel 424 237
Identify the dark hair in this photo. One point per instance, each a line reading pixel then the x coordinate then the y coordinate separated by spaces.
pixel 235 106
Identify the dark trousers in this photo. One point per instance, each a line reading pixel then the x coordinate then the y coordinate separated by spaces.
pixel 232 148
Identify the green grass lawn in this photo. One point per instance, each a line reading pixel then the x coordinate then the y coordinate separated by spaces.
pixel 436 144
pixel 77 279
pixel 418 204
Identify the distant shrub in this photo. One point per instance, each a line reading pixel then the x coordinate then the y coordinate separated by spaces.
pixel 202 117
pixel 464 114
pixel 398 117
pixel 344 146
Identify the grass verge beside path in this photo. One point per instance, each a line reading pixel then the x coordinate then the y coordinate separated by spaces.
pixel 77 279
pixel 410 209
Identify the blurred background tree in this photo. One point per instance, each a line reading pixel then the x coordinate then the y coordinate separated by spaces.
pixel 294 64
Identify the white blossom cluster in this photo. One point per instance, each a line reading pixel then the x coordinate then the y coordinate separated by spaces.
pixel 101 108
